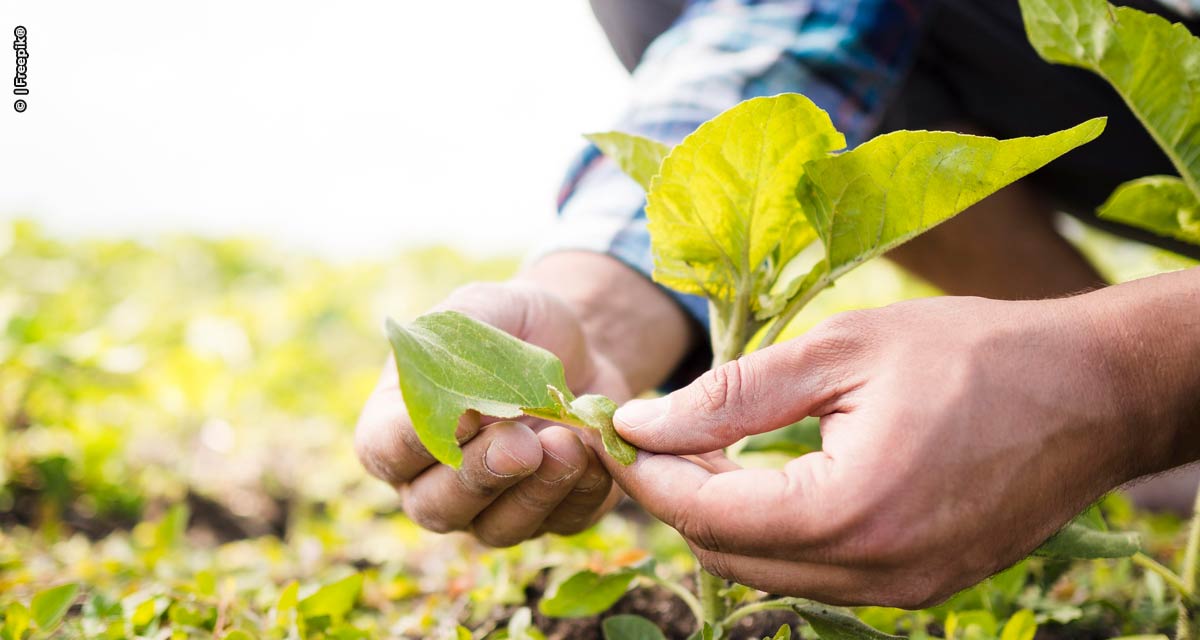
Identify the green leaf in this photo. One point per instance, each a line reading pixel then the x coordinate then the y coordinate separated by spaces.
pixel 597 412
pixel 239 634
pixel 16 621
pixel 833 623
pixel 707 632
pixel 637 156
pixel 586 593
pixel 1079 541
pixel 966 625
pixel 723 204
pixel 462 633
pixel 1022 626
pixel 889 190
pixel 1161 204
pixel 784 633
pixel 334 600
pixel 631 627
pixel 287 604
pixel 1152 63
pixel 449 363
pixel 49 606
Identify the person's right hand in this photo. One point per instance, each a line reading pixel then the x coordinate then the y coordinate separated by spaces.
pixel 518 480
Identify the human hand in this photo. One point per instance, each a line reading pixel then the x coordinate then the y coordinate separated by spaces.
pixel 958 435
pixel 518 479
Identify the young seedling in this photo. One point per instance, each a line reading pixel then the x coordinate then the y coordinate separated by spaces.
pixel 758 210
pixel 1155 66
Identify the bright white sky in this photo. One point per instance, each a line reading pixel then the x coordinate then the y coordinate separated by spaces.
pixel 349 128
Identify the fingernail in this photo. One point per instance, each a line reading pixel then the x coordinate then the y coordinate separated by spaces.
pixel 501 462
pixel 639 413
pixel 553 472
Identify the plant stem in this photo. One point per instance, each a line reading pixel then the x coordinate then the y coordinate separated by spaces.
pixel 730 331
pixel 683 594
pixel 789 312
pixel 1187 628
pixel 756 607
pixel 1170 577
pixel 712 601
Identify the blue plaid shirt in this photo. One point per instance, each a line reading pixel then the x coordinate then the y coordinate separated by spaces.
pixel 848 56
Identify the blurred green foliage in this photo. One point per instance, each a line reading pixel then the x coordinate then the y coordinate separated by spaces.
pixel 177 461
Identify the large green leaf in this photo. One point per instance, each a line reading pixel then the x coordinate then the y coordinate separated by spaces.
pixel 834 623
pixel 897 186
pixel 631 627
pixel 49 606
pixel 586 593
pixel 723 203
pixel 1152 63
pixel 1161 204
pixel 449 363
pixel 637 156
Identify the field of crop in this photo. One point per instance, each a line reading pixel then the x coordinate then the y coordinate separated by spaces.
pixel 177 462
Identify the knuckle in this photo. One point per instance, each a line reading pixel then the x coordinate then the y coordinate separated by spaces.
pixel 427 518
pixel 721 387
pixel 716 564
pixel 375 454
pixel 698 531
pixel 496 539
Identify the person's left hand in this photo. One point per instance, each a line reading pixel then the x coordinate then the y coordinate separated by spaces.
pixel 959 434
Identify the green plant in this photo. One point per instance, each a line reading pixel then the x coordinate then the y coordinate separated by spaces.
pixel 1154 65
pixel 757 212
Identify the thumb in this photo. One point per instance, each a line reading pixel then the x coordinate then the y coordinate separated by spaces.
pixel 761 392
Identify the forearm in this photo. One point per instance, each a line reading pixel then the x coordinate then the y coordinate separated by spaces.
pixel 626 318
pixel 1149 332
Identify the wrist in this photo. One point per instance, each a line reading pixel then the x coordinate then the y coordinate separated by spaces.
pixel 625 318
pixel 1146 340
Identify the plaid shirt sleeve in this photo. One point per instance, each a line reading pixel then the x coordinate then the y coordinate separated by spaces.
pixel 848 56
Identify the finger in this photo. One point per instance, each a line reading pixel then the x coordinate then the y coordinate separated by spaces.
pixel 519 512
pixel 763 391
pixel 826 583
pixel 385 440
pixel 591 497
pixel 749 511
pixel 446 499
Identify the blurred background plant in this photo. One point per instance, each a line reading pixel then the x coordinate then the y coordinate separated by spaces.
pixel 177 417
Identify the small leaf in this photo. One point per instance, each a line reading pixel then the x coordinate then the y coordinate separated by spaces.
pixel 1022 626
pixel 637 156
pixel 1161 204
pixel 1078 541
pixel 868 201
pixel 16 621
pixel 49 606
pixel 449 363
pixel 833 623
pixel 707 632
pixel 631 627
pixel 334 600
pixel 286 605
pixel 239 634
pixel 1152 63
pixel 723 206
pixel 597 412
pixel 462 633
pixel 586 594
pixel 784 633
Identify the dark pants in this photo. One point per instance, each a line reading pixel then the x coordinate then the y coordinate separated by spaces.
pixel 975 67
